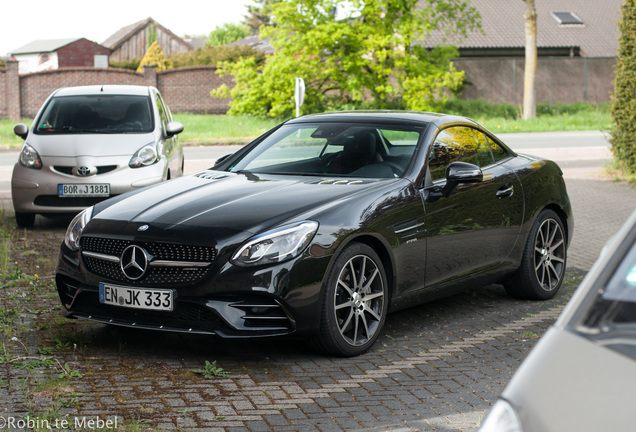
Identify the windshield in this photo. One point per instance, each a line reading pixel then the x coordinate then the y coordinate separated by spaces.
pixel 612 318
pixel 334 149
pixel 96 114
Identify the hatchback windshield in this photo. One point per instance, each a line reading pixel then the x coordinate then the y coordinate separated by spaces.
pixel 96 114
pixel 334 149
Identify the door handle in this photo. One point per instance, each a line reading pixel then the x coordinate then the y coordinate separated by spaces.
pixel 505 191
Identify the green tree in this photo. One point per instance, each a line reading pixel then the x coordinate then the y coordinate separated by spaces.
pixel 228 33
pixel 154 56
pixel 623 109
pixel 370 54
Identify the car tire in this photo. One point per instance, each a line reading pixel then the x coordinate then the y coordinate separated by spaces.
pixel 25 220
pixel 544 259
pixel 355 303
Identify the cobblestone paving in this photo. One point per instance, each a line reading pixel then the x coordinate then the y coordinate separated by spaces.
pixel 436 367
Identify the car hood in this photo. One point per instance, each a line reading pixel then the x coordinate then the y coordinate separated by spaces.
pixel 239 202
pixel 95 145
pixel 569 382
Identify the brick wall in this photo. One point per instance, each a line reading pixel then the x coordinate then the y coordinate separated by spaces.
pixel 36 87
pixel 3 93
pixel 184 89
pixel 188 89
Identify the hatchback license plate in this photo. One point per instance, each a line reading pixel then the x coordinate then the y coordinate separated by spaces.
pixel 83 190
pixel 137 298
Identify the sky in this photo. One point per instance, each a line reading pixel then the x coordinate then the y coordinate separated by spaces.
pixel 32 20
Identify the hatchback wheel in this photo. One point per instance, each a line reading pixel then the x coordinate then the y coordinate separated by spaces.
pixel 543 264
pixel 354 304
pixel 25 220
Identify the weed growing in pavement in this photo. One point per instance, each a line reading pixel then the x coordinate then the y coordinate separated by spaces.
pixel 33 364
pixel 530 335
pixel 67 372
pixel 211 370
pixel 5 250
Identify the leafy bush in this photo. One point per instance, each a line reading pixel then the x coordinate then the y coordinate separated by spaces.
pixel 125 64
pixel 213 55
pixel 481 108
pixel 624 99
pixel 475 108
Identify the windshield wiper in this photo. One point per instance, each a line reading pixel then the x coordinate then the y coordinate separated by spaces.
pixel 82 130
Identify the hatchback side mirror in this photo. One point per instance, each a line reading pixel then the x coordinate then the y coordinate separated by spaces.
pixel 174 128
pixel 21 130
pixel 456 173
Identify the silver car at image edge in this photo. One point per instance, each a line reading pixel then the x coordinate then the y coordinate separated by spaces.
pixel 581 376
pixel 90 143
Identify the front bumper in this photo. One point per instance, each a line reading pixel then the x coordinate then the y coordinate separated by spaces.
pixel 224 300
pixel 35 191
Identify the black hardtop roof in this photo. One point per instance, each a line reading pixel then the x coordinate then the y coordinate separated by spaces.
pixel 413 118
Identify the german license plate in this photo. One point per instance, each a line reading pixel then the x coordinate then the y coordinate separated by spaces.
pixel 83 190
pixel 137 298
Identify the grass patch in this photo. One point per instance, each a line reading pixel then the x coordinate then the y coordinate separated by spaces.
pixel 7 137
pixel 618 171
pixel 222 129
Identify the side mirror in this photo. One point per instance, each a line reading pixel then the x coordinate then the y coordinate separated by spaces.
pixel 222 158
pixel 174 128
pixel 21 130
pixel 463 172
pixel 456 173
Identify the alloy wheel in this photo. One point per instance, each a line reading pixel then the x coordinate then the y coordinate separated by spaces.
pixel 549 254
pixel 359 300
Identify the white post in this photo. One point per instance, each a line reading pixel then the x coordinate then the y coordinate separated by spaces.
pixel 299 94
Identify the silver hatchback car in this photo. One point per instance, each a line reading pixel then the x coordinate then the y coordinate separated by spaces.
pixel 581 375
pixel 90 143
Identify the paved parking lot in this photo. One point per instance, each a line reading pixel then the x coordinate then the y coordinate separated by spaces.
pixel 435 367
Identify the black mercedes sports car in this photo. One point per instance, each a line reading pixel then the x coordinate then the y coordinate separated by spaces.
pixel 319 228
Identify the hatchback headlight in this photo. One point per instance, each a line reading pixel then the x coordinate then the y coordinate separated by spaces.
pixel 75 228
pixel 277 245
pixel 501 418
pixel 30 158
pixel 147 155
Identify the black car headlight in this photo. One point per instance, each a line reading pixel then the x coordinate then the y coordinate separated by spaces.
pixel 75 228
pixel 147 155
pixel 277 245
pixel 30 158
pixel 501 418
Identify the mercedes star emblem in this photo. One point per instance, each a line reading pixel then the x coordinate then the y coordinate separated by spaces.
pixel 134 262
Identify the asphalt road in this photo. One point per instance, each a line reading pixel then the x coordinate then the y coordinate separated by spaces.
pixel 578 153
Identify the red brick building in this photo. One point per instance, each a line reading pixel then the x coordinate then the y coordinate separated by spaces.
pixel 44 55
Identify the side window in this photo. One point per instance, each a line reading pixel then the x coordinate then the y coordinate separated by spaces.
pixel 458 144
pixel 498 152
